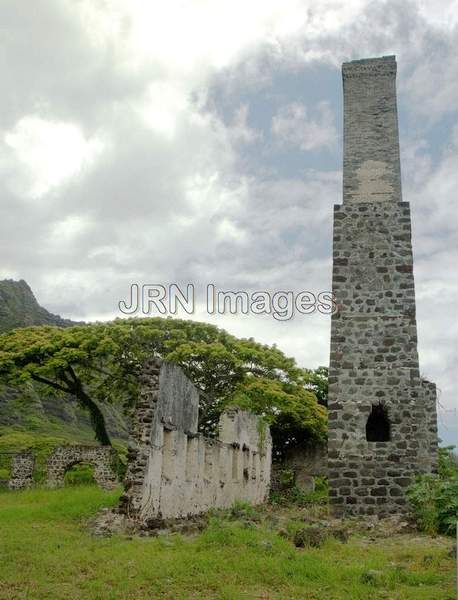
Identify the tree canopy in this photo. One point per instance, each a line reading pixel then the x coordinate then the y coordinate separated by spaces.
pixel 100 362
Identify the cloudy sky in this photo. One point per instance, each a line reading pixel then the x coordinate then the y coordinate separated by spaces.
pixel 201 142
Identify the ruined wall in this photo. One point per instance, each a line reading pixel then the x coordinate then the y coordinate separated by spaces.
pixel 311 459
pixel 174 471
pixel 65 457
pixel 22 465
pixel 305 463
pixel 374 361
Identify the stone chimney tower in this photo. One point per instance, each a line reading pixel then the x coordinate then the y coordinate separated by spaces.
pixel 382 415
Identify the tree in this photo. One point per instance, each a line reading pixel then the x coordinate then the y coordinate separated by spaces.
pixel 292 411
pixel 64 360
pixel 100 362
pixel 317 382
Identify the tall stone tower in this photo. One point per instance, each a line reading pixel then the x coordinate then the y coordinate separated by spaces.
pixel 382 414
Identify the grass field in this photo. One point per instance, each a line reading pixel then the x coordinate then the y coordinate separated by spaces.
pixel 47 552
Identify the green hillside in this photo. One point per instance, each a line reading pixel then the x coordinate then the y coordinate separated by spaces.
pixel 19 308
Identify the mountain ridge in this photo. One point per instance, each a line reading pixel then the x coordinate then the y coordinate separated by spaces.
pixel 20 308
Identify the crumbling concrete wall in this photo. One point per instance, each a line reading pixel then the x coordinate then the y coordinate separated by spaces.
pixel 22 465
pixel 174 472
pixel 65 457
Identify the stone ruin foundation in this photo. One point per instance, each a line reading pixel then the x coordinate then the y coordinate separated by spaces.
pixel 175 472
pixel 382 414
pixel 101 457
pixel 22 465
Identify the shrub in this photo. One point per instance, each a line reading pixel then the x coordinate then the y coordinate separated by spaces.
pixel 434 498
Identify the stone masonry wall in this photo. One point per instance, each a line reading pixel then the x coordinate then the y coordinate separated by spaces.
pixel 22 465
pixel 371 163
pixel 374 359
pixel 65 457
pixel 173 471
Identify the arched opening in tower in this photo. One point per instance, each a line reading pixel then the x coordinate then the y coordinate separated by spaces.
pixel 378 424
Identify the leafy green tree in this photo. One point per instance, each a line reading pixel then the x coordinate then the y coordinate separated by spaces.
pixel 68 361
pixel 317 382
pixel 291 411
pixel 100 362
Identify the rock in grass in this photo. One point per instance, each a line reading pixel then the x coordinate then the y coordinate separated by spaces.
pixel 314 536
pixel 309 536
pixel 372 577
pixel 340 533
pixel 284 533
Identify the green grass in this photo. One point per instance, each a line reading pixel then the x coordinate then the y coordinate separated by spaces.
pixel 46 551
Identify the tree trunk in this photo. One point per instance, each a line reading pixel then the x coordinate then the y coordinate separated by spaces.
pixel 97 418
pixel 75 388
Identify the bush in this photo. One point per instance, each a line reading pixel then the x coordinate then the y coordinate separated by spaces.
pixel 434 498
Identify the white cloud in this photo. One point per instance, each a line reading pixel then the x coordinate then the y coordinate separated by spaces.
pixel 186 35
pixel 69 229
pixel 163 105
pixel 49 152
pixel 239 130
pixel 293 126
pixel 442 13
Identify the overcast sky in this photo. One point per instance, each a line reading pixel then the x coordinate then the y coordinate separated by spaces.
pixel 201 142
